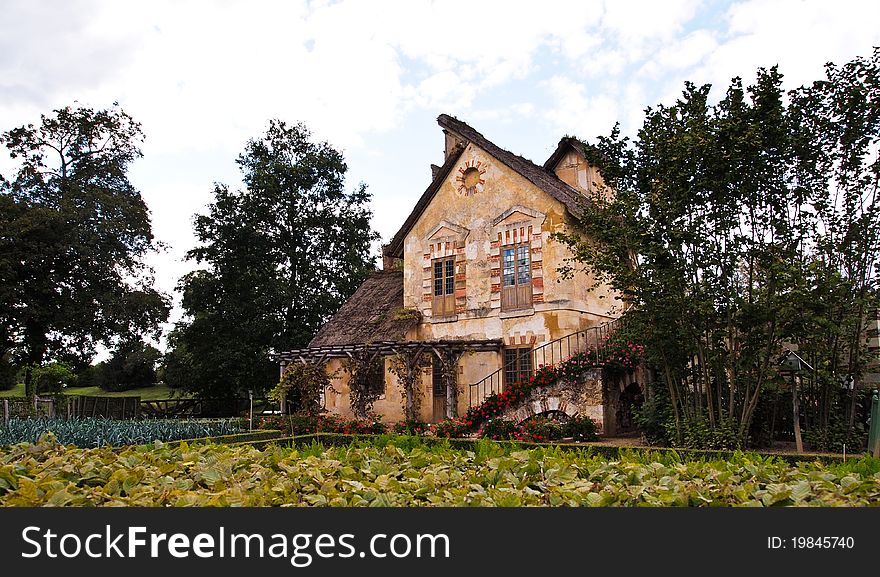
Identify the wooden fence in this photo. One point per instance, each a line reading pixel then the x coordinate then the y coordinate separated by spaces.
pixel 76 406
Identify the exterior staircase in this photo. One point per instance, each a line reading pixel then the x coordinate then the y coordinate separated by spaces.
pixel 591 339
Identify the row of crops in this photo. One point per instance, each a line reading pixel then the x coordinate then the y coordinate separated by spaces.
pixel 101 432
pixel 406 472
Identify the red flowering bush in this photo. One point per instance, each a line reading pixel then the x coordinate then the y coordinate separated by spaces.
pixel 617 354
pixel 539 430
pixel 454 428
pixel 410 427
pixel 332 423
pixel 498 429
pixel 621 355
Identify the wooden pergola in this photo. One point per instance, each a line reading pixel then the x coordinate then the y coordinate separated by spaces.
pixel 412 353
pixel 383 348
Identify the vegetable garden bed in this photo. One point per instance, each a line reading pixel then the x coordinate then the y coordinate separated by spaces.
pixel 407 471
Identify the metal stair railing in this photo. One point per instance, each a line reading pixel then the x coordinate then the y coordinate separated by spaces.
pixel 549 354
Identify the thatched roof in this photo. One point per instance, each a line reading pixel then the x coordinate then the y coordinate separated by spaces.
pixel 566 143
pixel 542 177
pixel 373 313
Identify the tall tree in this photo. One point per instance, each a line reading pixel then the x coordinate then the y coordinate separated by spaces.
pixel 282 255
pixel 740 228
pixel 73 234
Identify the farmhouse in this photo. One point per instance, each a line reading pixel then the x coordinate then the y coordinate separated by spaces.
pixel 470 297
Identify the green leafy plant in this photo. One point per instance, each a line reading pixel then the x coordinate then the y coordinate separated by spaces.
pixel 100 432
pixel 406 472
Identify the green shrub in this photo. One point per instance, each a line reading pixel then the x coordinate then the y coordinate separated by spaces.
pixel 655 417
pixel 699 435
pixel 580 428
pixel 51 379
pixel 288 424
pixel 131 366
pixel 834 437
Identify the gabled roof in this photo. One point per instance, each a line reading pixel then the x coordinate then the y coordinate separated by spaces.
pixel 543 178
pixel 395 247
pixel 566 143
pixel 373 313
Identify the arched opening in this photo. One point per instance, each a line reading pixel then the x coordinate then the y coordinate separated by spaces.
pixel 629 402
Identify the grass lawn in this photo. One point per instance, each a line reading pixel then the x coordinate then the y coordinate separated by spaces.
pixel 146 394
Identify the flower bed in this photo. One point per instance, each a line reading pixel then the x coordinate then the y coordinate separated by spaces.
pixel 539 430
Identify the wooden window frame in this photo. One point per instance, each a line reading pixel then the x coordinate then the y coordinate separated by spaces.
pixel 443 286
pixel 522 370
pixel 518 295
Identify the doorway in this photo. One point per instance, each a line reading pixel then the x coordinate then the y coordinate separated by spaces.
pixel 438 386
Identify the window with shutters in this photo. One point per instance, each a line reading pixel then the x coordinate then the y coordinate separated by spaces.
pixel 443 303
pixel 516 277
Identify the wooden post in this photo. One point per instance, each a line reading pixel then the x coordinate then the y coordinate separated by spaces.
pixel 6 411
pixel 796 415
pixel 874 431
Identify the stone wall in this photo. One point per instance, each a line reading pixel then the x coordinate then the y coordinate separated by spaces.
pixel 583 397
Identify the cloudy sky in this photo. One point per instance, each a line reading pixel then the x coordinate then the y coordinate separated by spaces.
pixel 371 77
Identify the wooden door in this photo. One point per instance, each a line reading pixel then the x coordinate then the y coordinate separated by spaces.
pixel 438 389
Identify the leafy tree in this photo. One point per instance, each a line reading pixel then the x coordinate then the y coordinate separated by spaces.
pixel 281 256
pixel 132 365
pixel 739 228
pixel 73 234
pixel 51 378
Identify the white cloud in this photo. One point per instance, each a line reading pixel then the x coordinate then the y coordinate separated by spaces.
pixel 203 77
pixel 798 36
pixel 579 113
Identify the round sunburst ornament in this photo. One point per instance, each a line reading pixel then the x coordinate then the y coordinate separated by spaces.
pixel 470 177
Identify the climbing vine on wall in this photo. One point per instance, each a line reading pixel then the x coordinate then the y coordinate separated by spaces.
pixel 360 366
pixel 407 366
pixel 301 386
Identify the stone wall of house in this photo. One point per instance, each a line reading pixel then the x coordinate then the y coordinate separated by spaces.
pixel 584 397
pixel 472 367
pixel 472 226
